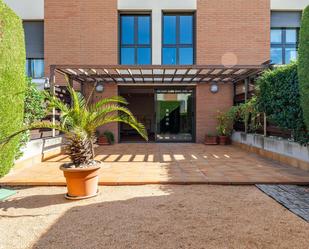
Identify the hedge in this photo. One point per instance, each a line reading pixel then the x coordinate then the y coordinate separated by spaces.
pixel 303 64
pixel 12 82
pixel 278 96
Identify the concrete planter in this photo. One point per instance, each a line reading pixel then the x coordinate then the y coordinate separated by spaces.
pixel 275 148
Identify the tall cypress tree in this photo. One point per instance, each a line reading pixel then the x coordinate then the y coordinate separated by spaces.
pixel 303 65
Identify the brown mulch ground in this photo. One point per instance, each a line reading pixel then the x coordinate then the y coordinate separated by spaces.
pixel 152 216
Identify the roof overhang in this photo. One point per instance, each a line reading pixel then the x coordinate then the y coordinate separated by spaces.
pixel 155 74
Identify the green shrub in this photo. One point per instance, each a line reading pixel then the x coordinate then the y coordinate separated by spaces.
pixel 34 110
pixel 278 96
pixel 12 82
pixel 110 136
pixel 303 65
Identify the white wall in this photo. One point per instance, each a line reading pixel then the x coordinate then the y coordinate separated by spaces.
pixel 27 9
pixel 156 7
pixel 289 4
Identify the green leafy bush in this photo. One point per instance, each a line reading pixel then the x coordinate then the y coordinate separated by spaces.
pixel 249 114
pixel 12 83
pixel 34 110
pixel 110 136
pixel 226 120
pixel 278 96
pixel 303 65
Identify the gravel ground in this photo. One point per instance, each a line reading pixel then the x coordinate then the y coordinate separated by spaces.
pixel 152 216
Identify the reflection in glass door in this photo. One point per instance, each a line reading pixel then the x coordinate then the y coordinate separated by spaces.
pixel 174 115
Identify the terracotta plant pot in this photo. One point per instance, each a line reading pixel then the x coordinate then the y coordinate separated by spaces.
pixel 211 140
pixel 224 140
pixel 81 182
pixel 102 140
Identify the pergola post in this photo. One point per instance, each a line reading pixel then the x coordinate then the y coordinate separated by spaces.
pixel 246 89
pixel 52 92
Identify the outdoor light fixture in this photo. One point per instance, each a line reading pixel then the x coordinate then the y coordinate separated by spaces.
pixel 214 88
pixel 99 87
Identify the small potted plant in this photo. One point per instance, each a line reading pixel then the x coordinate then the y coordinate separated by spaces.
pixel 211 139
pixel 224 128
pixel 107 138
pixel 79 122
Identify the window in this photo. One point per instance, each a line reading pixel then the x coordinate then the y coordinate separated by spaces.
pixel 283 45
pixel 34 38
pixel 178 39
pixel 135 39
pixel 35 68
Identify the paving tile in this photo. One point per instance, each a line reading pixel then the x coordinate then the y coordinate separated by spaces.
pixel 169 163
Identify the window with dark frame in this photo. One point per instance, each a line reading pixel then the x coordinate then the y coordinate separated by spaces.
pixel 284 42
pixel 178 39
pixel 135 39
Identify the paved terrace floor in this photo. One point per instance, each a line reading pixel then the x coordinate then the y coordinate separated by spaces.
pixel 134 164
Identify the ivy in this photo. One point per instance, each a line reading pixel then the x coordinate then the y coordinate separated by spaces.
pixel 278 96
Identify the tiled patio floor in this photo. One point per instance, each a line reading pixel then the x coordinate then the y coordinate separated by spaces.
pixel 168 163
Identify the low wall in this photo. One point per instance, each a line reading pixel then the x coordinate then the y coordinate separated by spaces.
pixel 39 150
pixel 274 148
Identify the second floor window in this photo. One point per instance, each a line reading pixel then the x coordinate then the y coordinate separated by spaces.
pixel 135 39
pixel 283 45
pixel 178 39
pixel 34 38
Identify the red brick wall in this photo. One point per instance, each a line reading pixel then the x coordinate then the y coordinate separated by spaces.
pixel 208 105
pixel 81 32
pixel 228 32
pixel 233 31
pixel 109 91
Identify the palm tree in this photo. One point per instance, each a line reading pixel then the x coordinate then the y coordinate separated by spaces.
pixel 79 122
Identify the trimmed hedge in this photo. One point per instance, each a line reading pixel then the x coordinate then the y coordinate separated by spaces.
pixel 303 65
pixel 12 83
pixel 278 96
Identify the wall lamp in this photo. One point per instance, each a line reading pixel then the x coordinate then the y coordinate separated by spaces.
pixel 99 87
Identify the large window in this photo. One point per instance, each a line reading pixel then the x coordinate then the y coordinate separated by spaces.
pixel 135 39
pixel 34 38
pixel 178 39
pixel 284 45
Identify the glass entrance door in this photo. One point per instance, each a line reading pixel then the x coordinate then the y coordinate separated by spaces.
pixel 174 115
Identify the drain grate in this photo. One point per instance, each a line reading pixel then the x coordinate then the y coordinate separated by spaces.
pixel 294 198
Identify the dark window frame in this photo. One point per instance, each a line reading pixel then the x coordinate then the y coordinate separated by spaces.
pixel 135 45
pixel 283 44
pixel 179 45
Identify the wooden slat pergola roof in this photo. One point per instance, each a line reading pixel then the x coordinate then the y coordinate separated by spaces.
pixel 155 74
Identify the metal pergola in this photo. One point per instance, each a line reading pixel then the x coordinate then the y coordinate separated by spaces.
pixel 154 75
pixel 157 74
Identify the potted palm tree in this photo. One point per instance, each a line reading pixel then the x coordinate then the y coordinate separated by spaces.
pixel 79 122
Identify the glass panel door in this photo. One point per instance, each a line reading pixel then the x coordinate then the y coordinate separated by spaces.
pixel 174 115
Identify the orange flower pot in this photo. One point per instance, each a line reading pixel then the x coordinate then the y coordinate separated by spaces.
pixel 81 182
